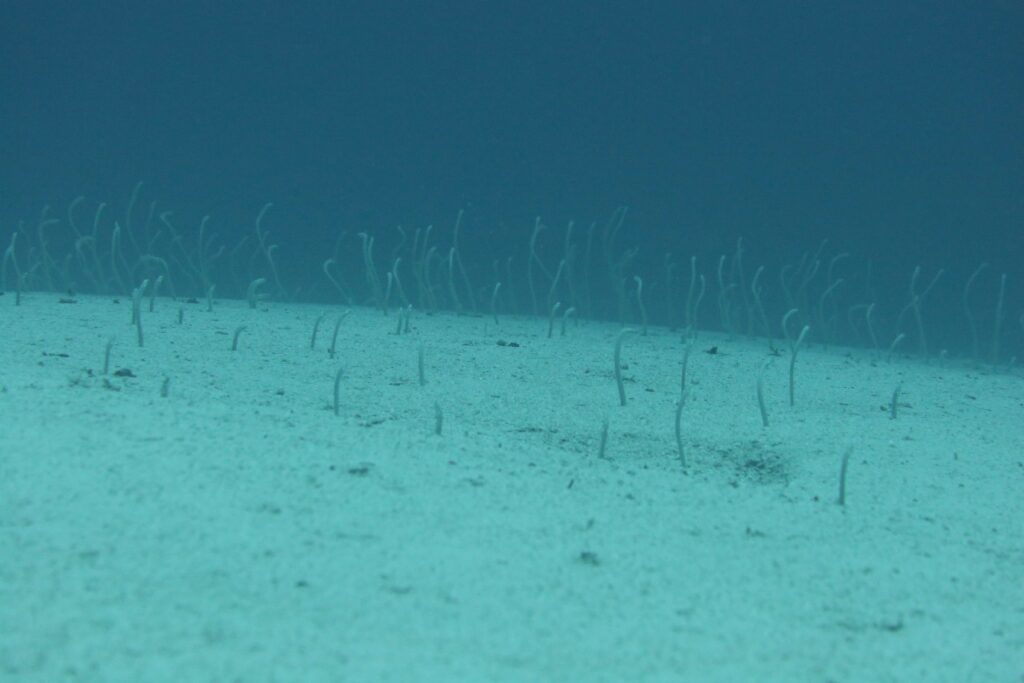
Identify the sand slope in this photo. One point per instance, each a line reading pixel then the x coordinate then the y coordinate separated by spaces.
pixel 238 530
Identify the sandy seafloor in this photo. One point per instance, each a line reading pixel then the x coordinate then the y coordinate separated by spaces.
pixel 238 530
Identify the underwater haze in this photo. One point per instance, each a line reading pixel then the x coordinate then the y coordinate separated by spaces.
pixel 891 129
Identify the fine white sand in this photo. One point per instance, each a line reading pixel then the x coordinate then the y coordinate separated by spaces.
pixel 236 529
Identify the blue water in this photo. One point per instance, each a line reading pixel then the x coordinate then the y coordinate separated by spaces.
pixel 890 129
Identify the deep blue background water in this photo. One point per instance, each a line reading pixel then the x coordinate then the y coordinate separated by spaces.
pixel 893 129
